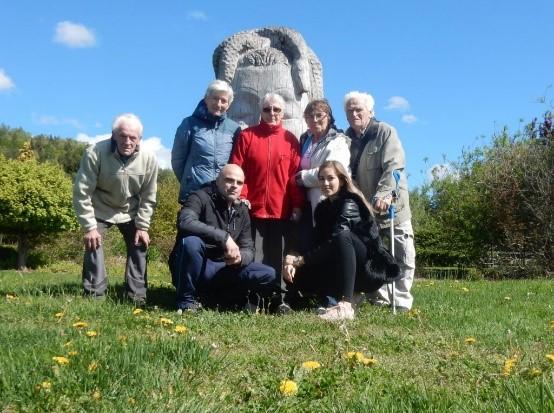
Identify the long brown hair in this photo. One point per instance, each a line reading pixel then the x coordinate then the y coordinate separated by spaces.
pixel 348 184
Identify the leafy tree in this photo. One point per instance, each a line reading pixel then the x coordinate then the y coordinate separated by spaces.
pixel 163 228
pixel 35 199
pixel 65 152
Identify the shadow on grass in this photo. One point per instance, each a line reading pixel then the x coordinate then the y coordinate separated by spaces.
pixel 160 296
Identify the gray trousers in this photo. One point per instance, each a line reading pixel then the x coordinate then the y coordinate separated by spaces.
pixel 95 280
pixel 404 251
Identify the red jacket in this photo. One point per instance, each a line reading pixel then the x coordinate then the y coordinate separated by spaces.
pixel 269 156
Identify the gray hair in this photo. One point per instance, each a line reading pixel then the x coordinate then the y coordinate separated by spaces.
pixel 217 86
pixel 272 97
pixel 305 66
pixel 128 118
pixel 365 98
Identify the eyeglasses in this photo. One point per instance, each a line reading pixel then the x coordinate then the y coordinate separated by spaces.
pixel 272 108
pixel 315 116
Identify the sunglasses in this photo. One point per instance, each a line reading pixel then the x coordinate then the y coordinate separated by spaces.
pixel 271 108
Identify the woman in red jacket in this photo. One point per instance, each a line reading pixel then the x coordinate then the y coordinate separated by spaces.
pixel 269 155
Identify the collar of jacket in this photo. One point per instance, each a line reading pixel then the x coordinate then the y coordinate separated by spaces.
pixel 201 112
pixel 352 134
pixel 266 129
pixel 331 133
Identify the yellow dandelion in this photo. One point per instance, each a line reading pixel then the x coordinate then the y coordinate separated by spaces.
pixel 91 333
pixel 165 321
pixel 311 365
pixel 61 360
pixel 45 385
pixel 11 297
pixel 288 388
pixel 59 315
pixel 508 366
pixel 465 289
pixel 368 361
pixel 138 311
pixel 535 372
pixel 92 366
pixel 470 340
pixel 414 312
pixel 550 357
pixel 96 395
pixel 180 329
pixel 72 353
pixel 80 324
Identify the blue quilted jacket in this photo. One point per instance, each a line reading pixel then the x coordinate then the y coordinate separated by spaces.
pixel 202 146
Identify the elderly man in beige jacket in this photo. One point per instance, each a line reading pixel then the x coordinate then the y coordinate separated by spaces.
pixel 375 152
pixel 116 185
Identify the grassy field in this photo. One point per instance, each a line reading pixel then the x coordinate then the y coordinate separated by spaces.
pixel 466 346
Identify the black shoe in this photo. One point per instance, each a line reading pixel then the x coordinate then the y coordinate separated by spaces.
pixel 284 309
pixel 139 301
pixel 189 307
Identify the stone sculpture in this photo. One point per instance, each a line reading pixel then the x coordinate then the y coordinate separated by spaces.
pixel 260 61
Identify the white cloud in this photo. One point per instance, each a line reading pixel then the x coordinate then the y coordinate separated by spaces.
pixel 440 171
pixel 156 146
pixel 83 137
pixel 5 82
pixel 53 120
pixel 398 103
pixel 409 118
pixel 197 15
pixel 74 35
pixel 153 144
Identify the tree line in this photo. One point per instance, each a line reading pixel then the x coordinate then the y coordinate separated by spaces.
pixel 493 211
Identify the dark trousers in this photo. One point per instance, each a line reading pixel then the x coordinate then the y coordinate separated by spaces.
pixel 335 268
pixel 272 237
pixel 199 277
pixel 95 279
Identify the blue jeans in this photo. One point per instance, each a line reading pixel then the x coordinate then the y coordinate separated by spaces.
pixel 199 277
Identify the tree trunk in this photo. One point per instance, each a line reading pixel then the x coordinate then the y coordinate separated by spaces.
pixel 23 246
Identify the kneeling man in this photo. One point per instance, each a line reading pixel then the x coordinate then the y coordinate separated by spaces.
pixel 212 260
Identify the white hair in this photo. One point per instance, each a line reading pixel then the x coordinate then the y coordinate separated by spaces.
pixel 273 97
pixel 364 98
pixel 129 119
pixel 220 86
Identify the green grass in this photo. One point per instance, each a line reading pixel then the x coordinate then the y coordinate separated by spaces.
pixel 235 362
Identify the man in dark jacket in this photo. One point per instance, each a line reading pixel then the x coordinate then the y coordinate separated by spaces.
pixel 212 260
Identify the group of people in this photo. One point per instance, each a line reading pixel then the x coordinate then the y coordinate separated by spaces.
pixel 265 216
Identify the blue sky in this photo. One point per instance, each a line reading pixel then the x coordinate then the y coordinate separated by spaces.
pixel 446 74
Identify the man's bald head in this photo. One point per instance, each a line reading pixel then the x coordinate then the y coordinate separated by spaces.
pixel 230 182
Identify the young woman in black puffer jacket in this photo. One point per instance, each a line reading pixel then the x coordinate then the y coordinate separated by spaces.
pixel 348 255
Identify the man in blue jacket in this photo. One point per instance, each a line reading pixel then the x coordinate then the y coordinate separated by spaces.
pixel 203 142
pixel 212 260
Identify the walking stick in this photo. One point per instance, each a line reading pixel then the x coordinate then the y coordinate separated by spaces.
pixel 392 214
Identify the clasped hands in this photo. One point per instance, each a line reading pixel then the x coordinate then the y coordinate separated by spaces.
pixel 232 252
pixel 291 263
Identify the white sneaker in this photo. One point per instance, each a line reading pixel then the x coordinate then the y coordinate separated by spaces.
pixel 342 311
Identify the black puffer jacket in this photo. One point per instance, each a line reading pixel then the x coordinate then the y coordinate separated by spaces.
pixel 347 212
pixel 205 214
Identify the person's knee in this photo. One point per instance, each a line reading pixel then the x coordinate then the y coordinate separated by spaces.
pixel 191 245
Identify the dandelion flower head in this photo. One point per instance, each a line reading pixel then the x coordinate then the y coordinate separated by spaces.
pixel 311 365
pixel 288 388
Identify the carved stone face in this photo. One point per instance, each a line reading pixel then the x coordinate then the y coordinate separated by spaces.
pixel 251 83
